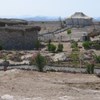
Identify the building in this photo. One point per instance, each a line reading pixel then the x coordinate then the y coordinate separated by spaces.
pixel 79 19
pixel 18 37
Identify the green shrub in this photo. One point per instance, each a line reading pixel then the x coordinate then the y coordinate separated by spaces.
pixel 75 49
pixel 69 31
pixel 40 62
pixel 87 44
pixel 37 45
pixel 51 48
pixel 90 68
pixel 74 44
pixel 93 45
pixel 60 47
pixel 75 57
pixel 97 58
pixel 49 41
pixel 96 46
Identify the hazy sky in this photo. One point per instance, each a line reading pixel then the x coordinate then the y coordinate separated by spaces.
pixel 63 8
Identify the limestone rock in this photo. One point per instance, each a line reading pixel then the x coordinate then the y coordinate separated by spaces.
pixel 7 97
pixel 59 57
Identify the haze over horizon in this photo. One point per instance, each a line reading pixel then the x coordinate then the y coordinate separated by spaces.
pixel 55 8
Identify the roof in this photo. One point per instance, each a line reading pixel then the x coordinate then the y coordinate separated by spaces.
pixel 80 15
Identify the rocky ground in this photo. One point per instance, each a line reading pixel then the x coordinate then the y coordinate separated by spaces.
pixel 30 85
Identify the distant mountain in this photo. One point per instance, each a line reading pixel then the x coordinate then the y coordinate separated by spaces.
pixel 41 18
pixel 48 18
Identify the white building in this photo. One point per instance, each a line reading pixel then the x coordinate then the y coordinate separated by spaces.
pixel 79 19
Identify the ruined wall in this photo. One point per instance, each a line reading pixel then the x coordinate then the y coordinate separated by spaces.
pixel 18 39
pixel 79 22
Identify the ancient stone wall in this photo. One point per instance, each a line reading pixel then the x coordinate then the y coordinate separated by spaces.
pixel 79 22
pixel 18 39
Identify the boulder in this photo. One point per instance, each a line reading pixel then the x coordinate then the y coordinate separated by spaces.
pixel 7 97
pixel 59 57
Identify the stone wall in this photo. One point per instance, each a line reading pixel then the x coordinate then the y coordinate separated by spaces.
pixel 18 39
pixel 79 22
pixel 11 22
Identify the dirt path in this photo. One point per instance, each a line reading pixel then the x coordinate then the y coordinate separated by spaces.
pixel 31 85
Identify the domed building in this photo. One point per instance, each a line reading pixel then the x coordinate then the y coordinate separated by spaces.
pixel 79 19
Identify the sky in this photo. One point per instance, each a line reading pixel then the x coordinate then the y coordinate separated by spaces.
pixel 61 8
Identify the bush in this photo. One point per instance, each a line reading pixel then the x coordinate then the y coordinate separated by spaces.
pixel 37 45
pixel 49 41
pixel 93 45
pixel 96 46
pixel 51 48
pixel 87 44
pixel 76 49
pixel 75 57
pixel 90 68
pixel 97 58
pixel 69 31
pixel 74 44
pixel 60 47
pixel 40 62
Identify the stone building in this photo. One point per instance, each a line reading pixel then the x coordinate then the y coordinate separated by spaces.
pixel 18 37
pixel 79 19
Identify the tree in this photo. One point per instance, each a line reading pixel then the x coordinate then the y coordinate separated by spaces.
pixel 69 33
pixel 40 62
